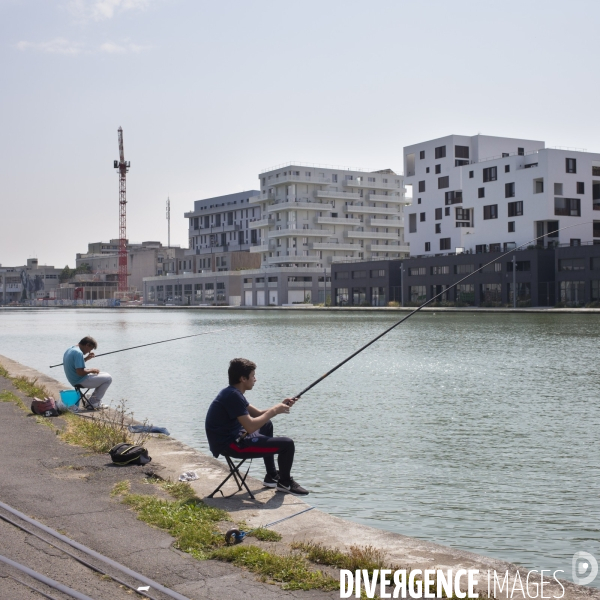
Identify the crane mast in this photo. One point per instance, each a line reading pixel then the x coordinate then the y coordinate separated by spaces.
pixel 123 168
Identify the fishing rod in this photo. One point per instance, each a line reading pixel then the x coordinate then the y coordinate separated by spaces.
pixel 314 383
pixel 151 344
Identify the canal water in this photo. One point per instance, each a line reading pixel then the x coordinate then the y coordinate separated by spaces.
pixel 473 430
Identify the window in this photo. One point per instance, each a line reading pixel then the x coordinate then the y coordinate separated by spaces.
pixel 463 269
pixel 521 151
pixel 412 223
pixel 515 209
pixel 481 248
pixel 459 162
pixel 334 178
pixel 595 263
pixel 445 270
pixel 421 186
pixel 471 174
pixel 443 182
pixel 438 214
pixel 417 271
pixel 444 243
pixel 495 247
pixel 426 169
pixel 522 266
pixel 461 151
pixel 575 242
pixel 568 207
pixel 422 154
pixel 440 152
pixel 581 187
pixel 571 264
pixel 418 200
pixel 490 174
pixel 481 192
pixel 438 228
pixel 507 168
pixel 378 273
pixel 422 217
pixel 596 229
pixel 359 274
pixel 572 292
pixel 491 294
pixel 595 291
pixel 342 275
pixel 571 165
pixel 490 212
pixel 341 297
pixel 438 169
pixel 558 189
pixel 493 268
pixel 427 246
pixel 538 186
pixel 453 197
pixel 511 227
pixel 465 293
pixel 509 190
pixel 417 293
pixel 463 214
pixel 447 211
pixel 371 179
pixel 272 279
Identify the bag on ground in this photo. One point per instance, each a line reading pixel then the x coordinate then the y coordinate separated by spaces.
pixel 128 454
pixel 45 408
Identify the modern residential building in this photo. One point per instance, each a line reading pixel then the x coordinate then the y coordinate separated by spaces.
pixel 28 282
pixel 484 194
pixel 143 260
pixel 220 233
pixel 313 216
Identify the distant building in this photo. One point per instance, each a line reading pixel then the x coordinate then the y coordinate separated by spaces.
pixel 486 194
pixel 313 216
pixel 143 260
pixel 28 282
pixel 220 235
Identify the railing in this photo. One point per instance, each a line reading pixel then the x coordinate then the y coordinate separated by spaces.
pixel 318 166
pixel 371 210
pixel 370 184
pixel 382 198
pixel 343 195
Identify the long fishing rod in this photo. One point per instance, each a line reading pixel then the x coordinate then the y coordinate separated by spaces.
pixel 151 344
pixel 314 383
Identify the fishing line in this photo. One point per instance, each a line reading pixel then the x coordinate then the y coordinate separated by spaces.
pixel 151 344
pixel 314 383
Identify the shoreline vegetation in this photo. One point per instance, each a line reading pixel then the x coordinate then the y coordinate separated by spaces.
pixel 197 528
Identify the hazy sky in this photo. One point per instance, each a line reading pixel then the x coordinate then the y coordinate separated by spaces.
pixel 211 93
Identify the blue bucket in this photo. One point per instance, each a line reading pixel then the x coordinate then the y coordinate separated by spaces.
pixel 69 397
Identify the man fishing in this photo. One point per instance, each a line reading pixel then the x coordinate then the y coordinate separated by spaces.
pixel 236 428
pixel 74 361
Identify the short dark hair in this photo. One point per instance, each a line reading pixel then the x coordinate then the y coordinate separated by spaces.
pixel 89 341
pixel 238 368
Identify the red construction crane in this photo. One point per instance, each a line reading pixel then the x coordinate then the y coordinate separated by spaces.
pixel 123 169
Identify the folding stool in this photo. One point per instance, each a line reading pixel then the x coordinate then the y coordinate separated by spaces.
pixel 234 470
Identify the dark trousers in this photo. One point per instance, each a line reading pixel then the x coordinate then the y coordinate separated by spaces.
pixel 265 446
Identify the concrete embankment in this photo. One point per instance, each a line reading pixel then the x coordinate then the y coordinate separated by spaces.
pixel 91 517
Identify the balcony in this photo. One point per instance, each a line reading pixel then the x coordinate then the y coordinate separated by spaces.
pixel 371 210
pixel 298 204
pixel 287 179
pixel 337 221
pixel 334 194
pixel 334 246
pixel 389 199
pixel 388 248
pixel 396 223
pixel 261 223
pixel 369 184
pixel 370 235
pixel 260 248
pixel 277 260
pixel 300 233
pixel 261 198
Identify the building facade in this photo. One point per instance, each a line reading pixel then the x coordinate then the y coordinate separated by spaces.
pixel 28 282
pixel 315 216
pixel 485 194
pixel 219 230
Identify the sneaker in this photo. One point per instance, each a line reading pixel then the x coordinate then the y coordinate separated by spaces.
pixel 271 482
pixel 99 406
pixel 293 488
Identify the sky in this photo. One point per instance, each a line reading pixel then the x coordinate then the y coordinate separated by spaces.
pixel 209 94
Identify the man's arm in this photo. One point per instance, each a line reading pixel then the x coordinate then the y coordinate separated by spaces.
pixel 256 418
pixel 84 372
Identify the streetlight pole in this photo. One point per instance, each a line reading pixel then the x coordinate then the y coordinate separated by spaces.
pixel 514 262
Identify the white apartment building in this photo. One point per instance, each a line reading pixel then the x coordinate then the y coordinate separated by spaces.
pixel 312 216
pixel 219 226
pixel 482 193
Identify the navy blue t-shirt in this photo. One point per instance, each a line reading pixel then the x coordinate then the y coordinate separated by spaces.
pixel 222 426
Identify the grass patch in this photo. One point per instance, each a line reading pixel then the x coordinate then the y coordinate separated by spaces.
pixel 7 396
pixel 121 488
pixel 358 557
pixel 3 372
pixel 265 535
pixel 291 570
pixel 100 434
pixel 30 387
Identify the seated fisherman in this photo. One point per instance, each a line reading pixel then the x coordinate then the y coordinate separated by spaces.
pixel 230 415
pixel 74 365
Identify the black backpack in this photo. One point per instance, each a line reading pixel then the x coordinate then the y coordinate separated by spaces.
pixel 44 408
pixel 128 454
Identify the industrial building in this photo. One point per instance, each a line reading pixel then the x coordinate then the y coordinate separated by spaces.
pixel 31 281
